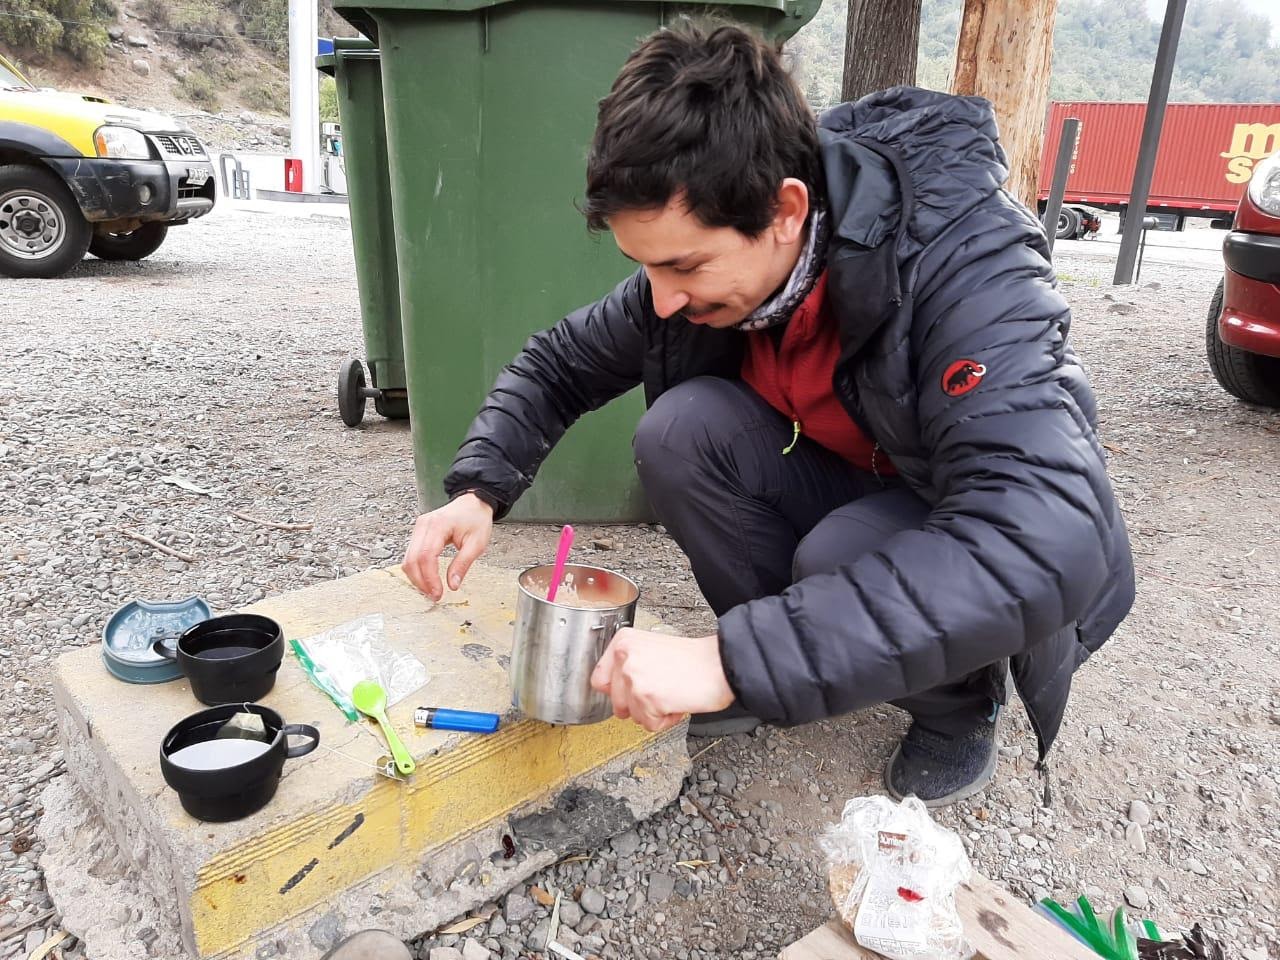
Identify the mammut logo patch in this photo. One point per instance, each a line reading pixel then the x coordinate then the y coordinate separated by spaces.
pixel 961 377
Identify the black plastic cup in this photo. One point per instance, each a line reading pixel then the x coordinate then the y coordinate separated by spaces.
pixel 234 790
pixel 228 659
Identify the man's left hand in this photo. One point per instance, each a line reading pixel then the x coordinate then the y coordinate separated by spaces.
pixel 656 679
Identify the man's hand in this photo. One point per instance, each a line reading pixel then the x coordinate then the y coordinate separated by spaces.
pixel 467 524
pixel 655 679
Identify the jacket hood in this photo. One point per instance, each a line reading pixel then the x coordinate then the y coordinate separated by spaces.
pixel 939 152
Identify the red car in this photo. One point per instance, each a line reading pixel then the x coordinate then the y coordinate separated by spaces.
pixel 1243 337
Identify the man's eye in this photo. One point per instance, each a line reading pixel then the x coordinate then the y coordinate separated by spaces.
pixel 684 270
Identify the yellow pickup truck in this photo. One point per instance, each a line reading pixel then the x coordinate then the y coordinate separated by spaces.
pixel 78 173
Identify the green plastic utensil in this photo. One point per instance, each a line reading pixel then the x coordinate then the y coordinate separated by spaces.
pixel 371 700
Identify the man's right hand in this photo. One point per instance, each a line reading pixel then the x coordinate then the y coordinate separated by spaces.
pixel 465 523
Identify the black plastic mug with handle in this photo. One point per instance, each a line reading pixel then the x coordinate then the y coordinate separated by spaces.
pixel 228 659
pixel 219 777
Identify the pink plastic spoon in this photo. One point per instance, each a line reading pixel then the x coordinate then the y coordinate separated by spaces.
pixel 562 554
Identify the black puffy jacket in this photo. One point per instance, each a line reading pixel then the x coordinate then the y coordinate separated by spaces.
pixel 1024 554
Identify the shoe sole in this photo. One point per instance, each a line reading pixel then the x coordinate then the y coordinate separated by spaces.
pixel 723 728
pixel 968 790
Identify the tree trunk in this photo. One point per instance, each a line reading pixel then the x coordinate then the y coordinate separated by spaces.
pixel 880 45
pixel 1004 53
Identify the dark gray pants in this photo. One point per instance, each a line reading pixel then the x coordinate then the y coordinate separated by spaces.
pixel 753 521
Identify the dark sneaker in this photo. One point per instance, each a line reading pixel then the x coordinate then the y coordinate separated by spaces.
pixel 370 945
pixel 723 723
pixel 941 769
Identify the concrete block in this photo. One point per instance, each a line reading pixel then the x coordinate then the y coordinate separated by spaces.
pixel 340 848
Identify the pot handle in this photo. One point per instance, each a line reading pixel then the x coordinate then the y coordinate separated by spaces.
pixel 610 623
pixel 160 647
pixel 300 730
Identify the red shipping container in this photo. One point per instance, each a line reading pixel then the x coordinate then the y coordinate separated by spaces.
pixel 1207 153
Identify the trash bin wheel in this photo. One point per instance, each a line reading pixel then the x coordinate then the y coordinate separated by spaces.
pixel 351 397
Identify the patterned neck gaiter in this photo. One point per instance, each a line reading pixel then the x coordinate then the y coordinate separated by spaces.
pixel 813 260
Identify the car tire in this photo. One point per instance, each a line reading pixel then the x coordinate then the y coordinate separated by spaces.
pixel 1068 223
pixel 1250 377
pixel 134 245
pixel 42 232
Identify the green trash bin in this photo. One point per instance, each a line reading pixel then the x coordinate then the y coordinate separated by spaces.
pixel 357 73
pixel 490 107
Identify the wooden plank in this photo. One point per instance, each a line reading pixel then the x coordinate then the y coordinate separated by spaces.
pixel 997 924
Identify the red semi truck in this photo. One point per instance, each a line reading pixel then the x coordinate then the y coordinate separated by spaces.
pixel 1207 155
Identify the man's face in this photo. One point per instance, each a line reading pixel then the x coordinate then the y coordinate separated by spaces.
pixel 712 275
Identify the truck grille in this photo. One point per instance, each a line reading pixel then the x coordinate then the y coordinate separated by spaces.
pixel 178 145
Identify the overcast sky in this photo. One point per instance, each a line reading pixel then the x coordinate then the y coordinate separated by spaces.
pixel 1269 7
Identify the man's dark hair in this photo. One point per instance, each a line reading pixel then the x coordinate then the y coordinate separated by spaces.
pixel 707 110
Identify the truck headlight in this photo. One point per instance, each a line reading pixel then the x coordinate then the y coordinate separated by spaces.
pixel 121 142
pixel 1264 188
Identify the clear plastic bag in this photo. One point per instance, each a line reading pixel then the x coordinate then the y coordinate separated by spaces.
pixel 357 650
pixel 893 874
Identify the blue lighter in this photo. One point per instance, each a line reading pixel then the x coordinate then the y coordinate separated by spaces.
pixel 468 721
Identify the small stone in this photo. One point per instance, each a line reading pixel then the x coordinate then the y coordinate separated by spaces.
pixel 541 934
pixel 34 939
pixel 1027 841
pixel 1133 836
pixel 518 908
pixel 326 931
pixel 136 40
pixel 379 552
pixel 1136 897
pixel 1255 953
pixel 115 32
pixel 471 950
pixel 497 926
pixel 1139 813
pixel 605 543
pixel 626 844
pixel 570 913
pixel 247 117
pixel 22 747
pixel 141 67
pixel 446 953
pixel 661 886
pixel 592 901
pixel 760 846
pixel 1196 867
pixel 727 780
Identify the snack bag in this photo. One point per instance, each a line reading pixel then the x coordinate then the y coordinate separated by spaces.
pixel 893 874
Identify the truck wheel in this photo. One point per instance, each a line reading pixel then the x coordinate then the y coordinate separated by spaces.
pixel 1068 223
pixel 135 245
pixel 1249 376
pixel 42 233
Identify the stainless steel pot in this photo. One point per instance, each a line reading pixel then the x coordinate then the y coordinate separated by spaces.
pixel 557 645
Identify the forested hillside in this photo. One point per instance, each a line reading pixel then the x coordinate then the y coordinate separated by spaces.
pixel 1103 50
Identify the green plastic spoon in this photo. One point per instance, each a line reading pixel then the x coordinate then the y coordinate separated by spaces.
pixel 371 700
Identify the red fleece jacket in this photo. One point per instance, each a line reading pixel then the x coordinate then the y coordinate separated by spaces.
pixel 795 374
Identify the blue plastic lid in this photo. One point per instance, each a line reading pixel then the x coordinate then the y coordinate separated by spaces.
pixel 129 634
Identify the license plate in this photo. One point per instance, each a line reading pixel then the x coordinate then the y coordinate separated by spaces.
pixel 197 176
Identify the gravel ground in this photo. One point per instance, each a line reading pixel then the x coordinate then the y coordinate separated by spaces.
pixel 214 363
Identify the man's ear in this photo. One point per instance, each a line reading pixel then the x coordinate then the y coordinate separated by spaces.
pixel 792 211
